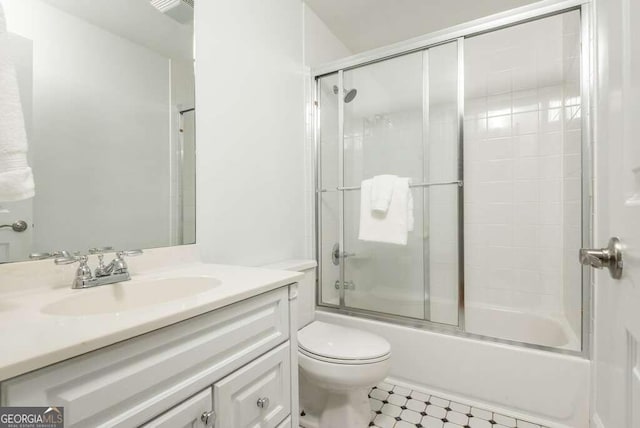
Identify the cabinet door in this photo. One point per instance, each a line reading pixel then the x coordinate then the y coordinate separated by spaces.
pixel 188 414
pixel 258 395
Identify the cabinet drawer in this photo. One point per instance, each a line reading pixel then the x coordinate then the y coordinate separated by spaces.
pixel 258 395
pixel 129 383
pixel 187 414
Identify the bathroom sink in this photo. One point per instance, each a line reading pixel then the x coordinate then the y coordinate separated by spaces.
pixel 127 296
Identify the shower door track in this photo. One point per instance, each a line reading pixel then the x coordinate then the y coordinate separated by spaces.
pixel 457 34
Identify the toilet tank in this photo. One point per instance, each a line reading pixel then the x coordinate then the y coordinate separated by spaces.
pixel 306 302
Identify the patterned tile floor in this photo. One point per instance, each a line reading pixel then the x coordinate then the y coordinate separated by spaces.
pixel 398 407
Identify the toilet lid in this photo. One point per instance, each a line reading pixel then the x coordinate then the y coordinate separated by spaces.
pixel 341 343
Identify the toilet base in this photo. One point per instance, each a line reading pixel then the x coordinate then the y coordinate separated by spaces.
pixel 346 409
pixel 327 409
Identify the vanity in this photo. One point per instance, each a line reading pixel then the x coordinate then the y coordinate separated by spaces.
pixel 221 354
pixel 166 340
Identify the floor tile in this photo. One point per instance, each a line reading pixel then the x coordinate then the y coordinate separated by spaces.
pixel 384 421
pixel 379 394
pixel 375 404
pixel 479 423
pixel 439 401
pixel 481 413
pixel 394 406
pixel 411 416
pixel 417 395
pixel 435 411
pixel 391 410
pixel 397 399
pixel 504 420
pixel 431 422
pixel 457 417
pixel 458 407
pixel 415 405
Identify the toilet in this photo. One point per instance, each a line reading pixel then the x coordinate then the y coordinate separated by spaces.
pixel 337 365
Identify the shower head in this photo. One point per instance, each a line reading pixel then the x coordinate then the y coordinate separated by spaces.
pixel 348 95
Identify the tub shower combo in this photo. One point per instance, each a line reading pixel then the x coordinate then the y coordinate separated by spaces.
pixel 489 120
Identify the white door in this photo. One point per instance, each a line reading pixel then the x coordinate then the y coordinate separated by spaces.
pixel 15 241
pixel 616 368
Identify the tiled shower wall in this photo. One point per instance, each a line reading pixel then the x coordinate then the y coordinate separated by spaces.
pixel 522 168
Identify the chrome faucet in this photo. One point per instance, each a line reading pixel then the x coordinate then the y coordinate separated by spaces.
pixel 116 271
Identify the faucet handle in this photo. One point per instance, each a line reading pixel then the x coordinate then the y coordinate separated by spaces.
pixel 43 256
pixel 67 260
pixel 100 250
pixel 83 273
pixel 129 253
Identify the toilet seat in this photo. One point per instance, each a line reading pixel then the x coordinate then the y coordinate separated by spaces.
pixel 341 345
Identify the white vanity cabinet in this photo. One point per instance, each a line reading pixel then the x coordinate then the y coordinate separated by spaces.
pixel 233 367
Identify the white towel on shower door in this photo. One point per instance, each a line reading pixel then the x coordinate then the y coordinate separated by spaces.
pixel 381 192
pixel 16 178
pixel 393 226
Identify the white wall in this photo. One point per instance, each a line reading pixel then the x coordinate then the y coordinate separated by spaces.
pixel 250 130
pixel 100 109
pixel 320 44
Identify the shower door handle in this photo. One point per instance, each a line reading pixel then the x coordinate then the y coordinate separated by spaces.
pixel 609 257
pixel 336 254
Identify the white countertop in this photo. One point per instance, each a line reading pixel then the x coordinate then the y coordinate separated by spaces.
pixel 31 339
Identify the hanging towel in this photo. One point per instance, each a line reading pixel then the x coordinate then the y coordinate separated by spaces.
pixel 392 227
pixel 16 178
pixel 381 191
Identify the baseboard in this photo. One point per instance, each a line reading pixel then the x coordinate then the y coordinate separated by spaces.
pixel 479 404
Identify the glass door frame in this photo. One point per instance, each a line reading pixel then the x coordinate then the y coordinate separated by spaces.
pixel 458 34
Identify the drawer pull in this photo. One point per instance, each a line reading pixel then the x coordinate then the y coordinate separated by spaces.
pixel 263 403
pixel 208 418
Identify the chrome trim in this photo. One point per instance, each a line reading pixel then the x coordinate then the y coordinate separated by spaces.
pixel 435 183
pixel 587 91
pixel 483 25
pixel 116 271
pixel 341 184
pixel 461 95
pixel 318 205
pixel 426 175
pixel 609 257
pixel 18 226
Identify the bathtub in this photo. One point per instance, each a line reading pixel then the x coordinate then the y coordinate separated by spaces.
pixel 503 323
pixel 548 388
pixel 492 321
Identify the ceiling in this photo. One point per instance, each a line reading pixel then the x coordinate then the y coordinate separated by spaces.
pixel 367 24
pixel 135 20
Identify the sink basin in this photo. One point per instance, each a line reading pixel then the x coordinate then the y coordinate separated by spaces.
pixel 127 296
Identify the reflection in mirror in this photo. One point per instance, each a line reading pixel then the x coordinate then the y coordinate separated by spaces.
pixel 105 99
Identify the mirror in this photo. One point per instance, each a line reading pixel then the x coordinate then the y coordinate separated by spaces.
pixel 106 93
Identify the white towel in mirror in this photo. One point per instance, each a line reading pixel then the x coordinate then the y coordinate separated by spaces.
pixel 16 178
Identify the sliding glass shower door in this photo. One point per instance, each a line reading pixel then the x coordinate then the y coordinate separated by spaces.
pixel 398 116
